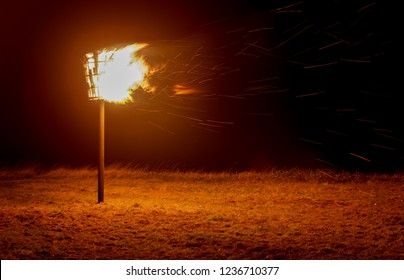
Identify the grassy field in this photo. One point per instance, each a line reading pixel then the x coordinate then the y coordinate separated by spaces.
pixel 278 214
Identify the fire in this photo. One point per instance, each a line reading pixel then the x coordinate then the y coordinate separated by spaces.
pixel 183 90
pixel 112 75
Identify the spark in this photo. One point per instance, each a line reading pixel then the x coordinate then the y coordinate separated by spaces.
pixel 310 141
pixel 209 124
pixel 374 55
pixel 304 51
pixel 204 81
pixel 320 65
pixel 220 122
pixel 360 157
pixel 185 117
pixel 264 80
pixel 331 45
pixel 327 174
pixel 259 47
pixel 374 94
pixel 365 120
pixel 248 94
pixel 357 43
pixel 257 88
pixel 162 128
pixel 236 30
pixel 294 35
pixel 289 6
pixel 328 27
pixel 178 55
pixel 383 130
pixel 291 11
pixel 230 71
pixel 148 110
pixel 355 60
pixel 365 12
pixel 260 114
pixel 336 132
pixel 310 94
pixel 366 7
pixel 336 37
pixel 246 48
pixel 275 91
pixel 205 128
pixel 232 96
pixel 196 53
pixel 247 54
pixel 346 110
pixel 260 29
pixel 324 161
pixel 382 147
pixel 389 136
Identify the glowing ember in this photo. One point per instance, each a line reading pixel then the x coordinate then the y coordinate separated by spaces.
pixel 182 90
pixel 112 75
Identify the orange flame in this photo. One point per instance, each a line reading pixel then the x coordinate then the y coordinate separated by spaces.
pixel 183 90
pixel 112 75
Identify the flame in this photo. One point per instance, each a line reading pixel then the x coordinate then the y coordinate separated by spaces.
pixel 183 90
pixel 112 75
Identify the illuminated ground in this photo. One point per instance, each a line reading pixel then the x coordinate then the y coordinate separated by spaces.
pixel 168 215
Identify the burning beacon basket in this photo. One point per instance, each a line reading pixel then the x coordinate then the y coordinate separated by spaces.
pixel 91 63
pixel 111 75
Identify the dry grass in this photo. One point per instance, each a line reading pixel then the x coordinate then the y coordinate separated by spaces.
pixel 290 214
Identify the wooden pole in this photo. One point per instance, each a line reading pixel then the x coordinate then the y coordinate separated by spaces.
pixel 101 159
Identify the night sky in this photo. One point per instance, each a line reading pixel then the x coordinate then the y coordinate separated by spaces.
pixel 313 84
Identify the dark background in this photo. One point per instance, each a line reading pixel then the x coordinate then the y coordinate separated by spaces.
pixel 276 84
